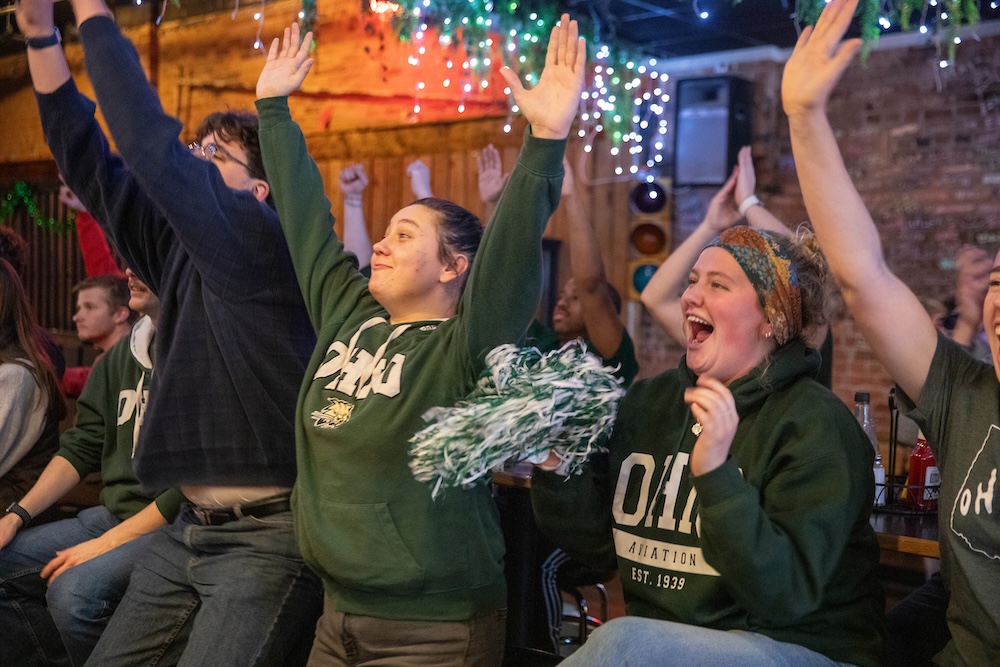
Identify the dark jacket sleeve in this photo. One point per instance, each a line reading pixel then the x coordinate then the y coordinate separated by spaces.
pixel 575 512
pixel 223 230
pixel 103 182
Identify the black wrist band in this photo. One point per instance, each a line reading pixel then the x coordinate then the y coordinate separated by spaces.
pixel 44 42
pixel 22 513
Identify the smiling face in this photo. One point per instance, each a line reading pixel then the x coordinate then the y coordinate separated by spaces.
pixel 991 315
pixel 141 299
pixel 723 320
pixel 408 274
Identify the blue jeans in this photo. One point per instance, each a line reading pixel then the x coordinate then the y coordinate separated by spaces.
pixel 234 594
pixel 632 641
pixel 79 602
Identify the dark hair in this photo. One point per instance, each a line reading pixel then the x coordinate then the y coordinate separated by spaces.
pixel 116 289
pixel 20 337
pixel 239 127
pixel 14 249
pixel 459 232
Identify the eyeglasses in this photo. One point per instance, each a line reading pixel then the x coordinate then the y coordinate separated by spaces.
pixel 209 151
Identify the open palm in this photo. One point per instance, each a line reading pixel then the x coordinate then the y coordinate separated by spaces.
pixel 551 106
pixel 285 69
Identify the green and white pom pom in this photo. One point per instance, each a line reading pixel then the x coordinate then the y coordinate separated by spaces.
pixel 525 405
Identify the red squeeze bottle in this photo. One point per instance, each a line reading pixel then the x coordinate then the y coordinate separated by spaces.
pixel 924 480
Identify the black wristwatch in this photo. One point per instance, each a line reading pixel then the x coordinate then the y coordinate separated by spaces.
pixel 44 42
pixel 14 508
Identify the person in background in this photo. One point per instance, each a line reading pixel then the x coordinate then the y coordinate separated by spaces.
pixel 404 574
pixel 952 396
pixel 31 404
pixel 738 490
pixel 353 181
pixel 14 249
pixel 917 625
pixel 61 581
pixel 98 260
pixel 735 201
pixel 102 318
pixel 233 338
pixel 588 309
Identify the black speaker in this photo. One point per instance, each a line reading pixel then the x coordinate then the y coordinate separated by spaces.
pixel 712 124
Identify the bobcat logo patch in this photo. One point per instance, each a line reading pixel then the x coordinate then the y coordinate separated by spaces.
pixel 333 415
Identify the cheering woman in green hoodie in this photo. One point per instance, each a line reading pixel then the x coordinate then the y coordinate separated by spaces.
pixel 405 575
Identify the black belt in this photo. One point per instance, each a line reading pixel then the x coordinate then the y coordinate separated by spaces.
pixel 216 516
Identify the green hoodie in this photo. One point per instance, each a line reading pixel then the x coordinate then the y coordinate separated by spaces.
pixel 775 541
pixel 381 545
pixel 109 415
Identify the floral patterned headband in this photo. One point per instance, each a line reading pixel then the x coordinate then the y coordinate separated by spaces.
pixel 772 275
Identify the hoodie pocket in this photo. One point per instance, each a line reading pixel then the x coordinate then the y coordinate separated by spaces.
pixel 361 548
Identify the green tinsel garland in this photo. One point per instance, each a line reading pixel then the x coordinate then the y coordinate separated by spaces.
pixel 22 195
pixel 525 405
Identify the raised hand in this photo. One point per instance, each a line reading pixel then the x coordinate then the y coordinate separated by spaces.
pixel 722 212
pixel 819 60
pixel 353 180
pixel 420 179
pixel 568 184
pixel 712 404
pixel 551 105
pixel 286 68
pixel 69 198
pixel 746 179
pixel 34 17
pixel 491 177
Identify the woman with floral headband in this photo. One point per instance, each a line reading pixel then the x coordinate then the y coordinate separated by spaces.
pixel 739 489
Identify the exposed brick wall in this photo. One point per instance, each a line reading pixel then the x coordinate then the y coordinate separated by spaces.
pixel 922 145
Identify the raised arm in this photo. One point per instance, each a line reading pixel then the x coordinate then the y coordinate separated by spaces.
pixel 662 295
pixel 327 275
pixel 507 267
pixel 420 179
pixel 746 197
pixel 600 316
pixel 491 178
pixel 880 303
pixel 98 260
pixel 353 181
pixel 100 179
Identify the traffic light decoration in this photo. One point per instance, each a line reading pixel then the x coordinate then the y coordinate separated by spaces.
pixel 649 243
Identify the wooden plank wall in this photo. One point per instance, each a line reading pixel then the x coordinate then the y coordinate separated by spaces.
pixel 356 107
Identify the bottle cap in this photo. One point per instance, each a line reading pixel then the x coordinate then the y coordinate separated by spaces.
pixel 862 397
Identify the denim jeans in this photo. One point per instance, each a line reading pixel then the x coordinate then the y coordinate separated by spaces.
pixel 234 594
pixel 344 640
pixel 79 602
pixel 632 641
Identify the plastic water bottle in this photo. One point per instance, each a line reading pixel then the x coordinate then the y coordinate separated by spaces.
pixel 863 413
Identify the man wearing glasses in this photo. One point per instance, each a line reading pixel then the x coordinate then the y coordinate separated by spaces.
pixel 225 583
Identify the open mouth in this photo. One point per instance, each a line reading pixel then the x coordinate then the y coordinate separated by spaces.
pixel 699 329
